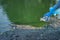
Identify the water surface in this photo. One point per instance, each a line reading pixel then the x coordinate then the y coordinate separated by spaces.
pixel 4 21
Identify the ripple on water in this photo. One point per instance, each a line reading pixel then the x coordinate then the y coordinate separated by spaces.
pixel 4 21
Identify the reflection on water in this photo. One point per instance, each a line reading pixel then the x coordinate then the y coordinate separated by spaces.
pixel 4 22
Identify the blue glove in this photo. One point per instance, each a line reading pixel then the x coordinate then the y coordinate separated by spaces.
pixel 48 14
pixel 51 10
pixel 45 19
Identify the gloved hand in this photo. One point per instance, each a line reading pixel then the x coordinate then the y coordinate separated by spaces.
pixel 48 14
pixel 51 10
pixel 45 19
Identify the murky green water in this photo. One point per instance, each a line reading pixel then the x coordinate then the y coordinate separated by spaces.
pixel 26 11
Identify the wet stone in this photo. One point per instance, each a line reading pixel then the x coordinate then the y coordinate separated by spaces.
pixel 29 34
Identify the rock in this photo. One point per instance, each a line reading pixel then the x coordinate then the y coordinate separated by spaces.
pixel 32 34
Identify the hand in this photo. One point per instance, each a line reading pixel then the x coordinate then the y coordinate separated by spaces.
pixel 51 9
pixel 45 19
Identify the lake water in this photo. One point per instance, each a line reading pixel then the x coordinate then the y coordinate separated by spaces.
pixel 22 12
pixel 4 21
